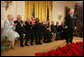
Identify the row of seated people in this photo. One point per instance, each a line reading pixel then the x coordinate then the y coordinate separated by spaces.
pixel 59 30
pixel 37 30
pixel 33 30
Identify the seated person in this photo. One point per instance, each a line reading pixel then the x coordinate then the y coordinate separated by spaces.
pixel 49 34
pixel 44 29
pixel 37 32
pixel 57 31
pixel 32 32
pixel 53 30
pixel 21 30
pixel 62 30
pixel 9 31
pixel 40 30
pixel 28 28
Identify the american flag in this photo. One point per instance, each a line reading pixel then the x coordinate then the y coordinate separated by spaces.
pixel 33 19
pixel 33 14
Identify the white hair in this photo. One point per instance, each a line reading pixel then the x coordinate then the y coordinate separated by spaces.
pixel 18 15
pixel 9 15
pixel 71 10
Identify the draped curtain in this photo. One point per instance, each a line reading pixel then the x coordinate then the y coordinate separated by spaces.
pixel 40 9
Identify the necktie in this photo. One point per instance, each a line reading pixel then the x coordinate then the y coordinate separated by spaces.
pixel 20 22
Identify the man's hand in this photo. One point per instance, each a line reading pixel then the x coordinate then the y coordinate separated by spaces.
pixel 47 28
pixel 23 22
pixel 66 27
pixel 75 28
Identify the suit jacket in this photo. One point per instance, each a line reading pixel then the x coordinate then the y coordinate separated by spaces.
pixel 57 28
pixel 33 28
pixel 19 28
pixel 61 28
pixel 53 28
pixel 36 26
pixel 70 21
pixel 28 26
pixel 40 27
pixel 44 28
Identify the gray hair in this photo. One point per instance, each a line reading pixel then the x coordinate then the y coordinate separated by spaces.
pixel 18 15
pixel 71 10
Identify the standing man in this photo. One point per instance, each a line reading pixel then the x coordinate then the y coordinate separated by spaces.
pixel 21 30
pixel 70 22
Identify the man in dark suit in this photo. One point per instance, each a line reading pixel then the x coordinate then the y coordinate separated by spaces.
pixel 62 30
pixel 32 32
pixel 44 32
pixel 37 30
pixel 40 31
pixel 53 29
pixel 70 22
pixel 21 30
pixel 57 31
pixel 29 29
pixel 49 34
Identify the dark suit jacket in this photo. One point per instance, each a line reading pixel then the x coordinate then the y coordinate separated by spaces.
pixel 44 28
pixel 40 27
pixel 70 21
pixel 53 29
pixel 61 28
pixel 36 26
pixel 57 28
pixel 19 28
pixel 28 26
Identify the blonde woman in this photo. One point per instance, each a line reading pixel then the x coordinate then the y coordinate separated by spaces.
pixel 9 31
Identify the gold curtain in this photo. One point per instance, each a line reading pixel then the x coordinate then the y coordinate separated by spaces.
pixel 28 9
pixel 40 9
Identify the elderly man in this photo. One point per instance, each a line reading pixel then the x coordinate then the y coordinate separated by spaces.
pixel 21 30
pixel 53 30
pixel 29 28
pixel 62 30
pixel 70 22
pixel 57 31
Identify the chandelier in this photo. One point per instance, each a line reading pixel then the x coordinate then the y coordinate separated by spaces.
pixel 6 4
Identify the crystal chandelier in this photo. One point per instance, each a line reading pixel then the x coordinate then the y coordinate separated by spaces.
pixel 6 4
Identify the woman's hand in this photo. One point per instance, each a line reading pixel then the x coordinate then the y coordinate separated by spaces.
pixel 15 24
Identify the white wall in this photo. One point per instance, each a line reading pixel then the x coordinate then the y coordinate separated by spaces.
pixel 59 8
